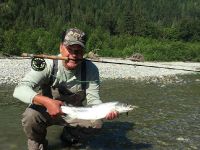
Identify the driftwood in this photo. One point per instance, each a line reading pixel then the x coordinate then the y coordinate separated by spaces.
pixel 92 55
pixel 136 57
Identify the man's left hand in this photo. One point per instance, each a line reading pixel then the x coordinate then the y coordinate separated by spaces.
pixel 112 115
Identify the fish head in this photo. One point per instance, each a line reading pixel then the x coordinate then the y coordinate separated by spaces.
pixel 123 107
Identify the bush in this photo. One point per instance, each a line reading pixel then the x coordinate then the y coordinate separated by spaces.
pixel 152 49
pixel 37 41
pixel 10 43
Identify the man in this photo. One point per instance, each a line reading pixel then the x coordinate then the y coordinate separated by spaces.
pixel 62 83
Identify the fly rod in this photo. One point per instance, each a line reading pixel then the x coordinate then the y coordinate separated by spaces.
pixel 43 56
pixel 38 63
pixel 151 66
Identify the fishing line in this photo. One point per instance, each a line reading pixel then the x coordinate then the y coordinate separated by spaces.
pixel 87 81
pixel 8 103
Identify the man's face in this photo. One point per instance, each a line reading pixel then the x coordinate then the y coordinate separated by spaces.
pixel 74 53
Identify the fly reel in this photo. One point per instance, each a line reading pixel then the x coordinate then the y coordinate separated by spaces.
pixel 38 64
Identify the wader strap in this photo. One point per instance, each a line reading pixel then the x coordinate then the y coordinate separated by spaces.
pixel 53 72
pixel 83 75
pixel 46 88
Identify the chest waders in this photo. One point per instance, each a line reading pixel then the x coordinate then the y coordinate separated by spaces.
pixel 61 92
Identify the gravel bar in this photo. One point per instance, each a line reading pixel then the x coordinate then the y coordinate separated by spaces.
pixel 12 70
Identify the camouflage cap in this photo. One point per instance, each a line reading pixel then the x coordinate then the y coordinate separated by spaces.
pixel 74 36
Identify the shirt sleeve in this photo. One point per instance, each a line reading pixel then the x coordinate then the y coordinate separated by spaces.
pixel 25 90
pixel 92 91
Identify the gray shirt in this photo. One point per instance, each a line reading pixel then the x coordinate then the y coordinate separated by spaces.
pixel 25 90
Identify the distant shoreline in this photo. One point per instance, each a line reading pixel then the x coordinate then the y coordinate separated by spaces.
pixel 12 70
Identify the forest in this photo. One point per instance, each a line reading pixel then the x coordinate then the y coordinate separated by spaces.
pixel 160 30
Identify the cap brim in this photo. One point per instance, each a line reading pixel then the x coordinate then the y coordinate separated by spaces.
pixel 74 42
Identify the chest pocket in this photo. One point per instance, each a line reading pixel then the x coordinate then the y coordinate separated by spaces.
pixel 61 92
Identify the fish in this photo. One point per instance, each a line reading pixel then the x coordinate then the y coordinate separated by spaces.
pixel 98 111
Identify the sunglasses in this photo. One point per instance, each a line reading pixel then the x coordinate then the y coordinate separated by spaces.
pixel 74 51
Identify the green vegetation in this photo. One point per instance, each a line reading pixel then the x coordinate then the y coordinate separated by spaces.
pixel 161 30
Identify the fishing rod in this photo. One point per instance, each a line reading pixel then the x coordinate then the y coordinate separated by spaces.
pixel 43 56
pixel 38 63
pixel 151 66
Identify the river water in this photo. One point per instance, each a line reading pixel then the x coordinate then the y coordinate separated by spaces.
pixel 168 117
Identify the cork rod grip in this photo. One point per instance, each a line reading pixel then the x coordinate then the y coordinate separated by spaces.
pixel 44 56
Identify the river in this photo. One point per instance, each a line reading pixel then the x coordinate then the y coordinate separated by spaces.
pixel 168 117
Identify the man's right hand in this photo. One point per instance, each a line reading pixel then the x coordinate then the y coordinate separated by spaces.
pixel 52 105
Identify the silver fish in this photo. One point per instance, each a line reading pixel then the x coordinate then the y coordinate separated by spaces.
pixel 96 112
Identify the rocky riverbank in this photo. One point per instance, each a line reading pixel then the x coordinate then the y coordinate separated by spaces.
pixel 12 70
